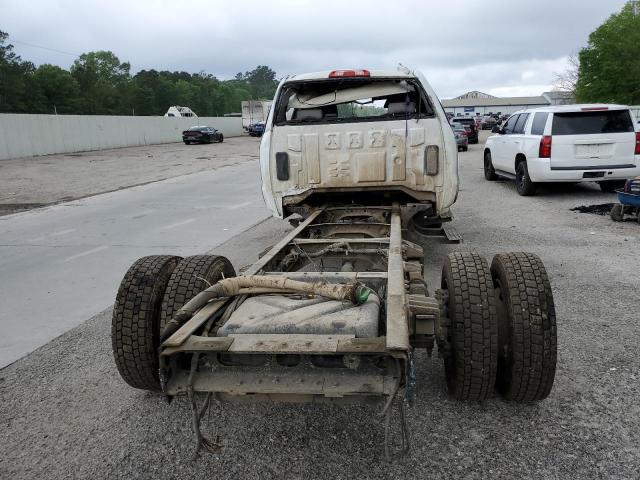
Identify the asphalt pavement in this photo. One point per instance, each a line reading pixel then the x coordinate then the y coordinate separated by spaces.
pixel 62 264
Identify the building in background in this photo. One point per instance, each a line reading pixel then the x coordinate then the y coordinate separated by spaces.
pixel 476 103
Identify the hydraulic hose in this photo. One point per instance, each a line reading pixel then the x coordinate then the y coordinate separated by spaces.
pixel 356 293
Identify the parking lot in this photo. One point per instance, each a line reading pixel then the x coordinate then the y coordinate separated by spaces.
pixel 50 179
pixel 66 413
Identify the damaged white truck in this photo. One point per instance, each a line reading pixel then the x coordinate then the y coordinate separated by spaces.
pixel 364 164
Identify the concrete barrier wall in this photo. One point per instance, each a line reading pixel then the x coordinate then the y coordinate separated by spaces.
pixel 24 135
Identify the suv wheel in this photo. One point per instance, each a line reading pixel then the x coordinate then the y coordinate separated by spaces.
pixel 489 171
pixel 524 185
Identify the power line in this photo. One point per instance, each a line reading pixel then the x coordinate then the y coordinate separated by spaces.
pixel 44 48
pixel 55 50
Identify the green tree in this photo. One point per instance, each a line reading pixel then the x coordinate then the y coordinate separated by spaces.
pixel 609 65
pixel 103 80
pixel 54 90
pixel 99 83
pixel 14 78
pixel 261 82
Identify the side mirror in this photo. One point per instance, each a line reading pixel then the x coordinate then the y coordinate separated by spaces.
pixel 496 129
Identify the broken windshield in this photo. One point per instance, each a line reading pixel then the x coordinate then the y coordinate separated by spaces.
pixel 352 100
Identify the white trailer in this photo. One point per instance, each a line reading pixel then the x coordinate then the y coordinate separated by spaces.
pixel 255 111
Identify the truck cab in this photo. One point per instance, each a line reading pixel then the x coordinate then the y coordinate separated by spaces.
pixel 358 136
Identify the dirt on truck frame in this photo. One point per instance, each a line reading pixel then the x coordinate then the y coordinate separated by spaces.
pixel 364 164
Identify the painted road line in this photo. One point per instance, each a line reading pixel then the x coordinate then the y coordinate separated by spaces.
pixel 176 225
pixel 88 252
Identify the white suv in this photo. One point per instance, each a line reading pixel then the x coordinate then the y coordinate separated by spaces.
pixel 568 143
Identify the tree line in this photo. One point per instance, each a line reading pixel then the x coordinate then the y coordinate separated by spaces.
pixel 607 69
pixel 98 83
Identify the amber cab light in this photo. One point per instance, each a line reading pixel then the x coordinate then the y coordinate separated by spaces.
pixel 349 73
pixel 545 147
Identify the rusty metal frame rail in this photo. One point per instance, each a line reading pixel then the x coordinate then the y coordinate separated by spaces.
pixel 305 381
pixel 397 325
pixel 262 262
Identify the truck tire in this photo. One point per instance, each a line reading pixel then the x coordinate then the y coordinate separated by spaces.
pixel 192 275
pixel 489 171
pixel 526 327
pixel 135 325
pixel 524 185
pixel 471 362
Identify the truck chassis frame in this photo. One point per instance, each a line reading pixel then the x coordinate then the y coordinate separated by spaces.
pixel 484 325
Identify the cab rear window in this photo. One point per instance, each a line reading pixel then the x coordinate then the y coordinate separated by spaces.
pixel 586 123
pixel 351 100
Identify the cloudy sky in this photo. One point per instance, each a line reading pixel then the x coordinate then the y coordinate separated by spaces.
pixel 502 47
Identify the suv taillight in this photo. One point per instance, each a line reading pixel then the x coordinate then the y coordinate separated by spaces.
pixel 545 147
pixel 637 152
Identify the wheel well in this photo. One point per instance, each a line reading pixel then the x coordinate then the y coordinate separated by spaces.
pixel 519 158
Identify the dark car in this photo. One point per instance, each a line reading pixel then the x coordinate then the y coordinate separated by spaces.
pixel 468 122
pixel 202 134
pixel 257 129
pixel 488 123
pixel 462 138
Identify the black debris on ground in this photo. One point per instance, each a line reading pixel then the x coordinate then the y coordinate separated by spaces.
pixel 599 209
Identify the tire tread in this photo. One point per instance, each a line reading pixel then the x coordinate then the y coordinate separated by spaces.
pixel 134 324
pixel 531 310
pixel 472 372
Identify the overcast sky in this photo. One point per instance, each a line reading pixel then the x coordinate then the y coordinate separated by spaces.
pixel 502 47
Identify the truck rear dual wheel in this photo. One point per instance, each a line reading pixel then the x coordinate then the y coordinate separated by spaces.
pixel 135 328
pixel 472 333
pixel 526 327
pixel 191 276
pixel 152 291
pixel 501 328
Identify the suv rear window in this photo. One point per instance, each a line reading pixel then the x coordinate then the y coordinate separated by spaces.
pixel 584 123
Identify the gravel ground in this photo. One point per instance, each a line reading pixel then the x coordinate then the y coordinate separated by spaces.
pixel 32 182
pixel 65 413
